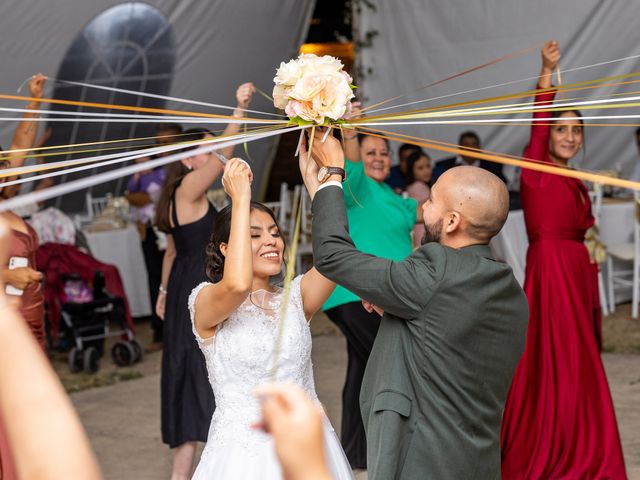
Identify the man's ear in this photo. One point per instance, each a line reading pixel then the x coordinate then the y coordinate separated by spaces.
pixel 452 222
pixel 223 249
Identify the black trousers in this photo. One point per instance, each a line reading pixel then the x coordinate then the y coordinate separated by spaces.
pixel 153 261
pixel 360 329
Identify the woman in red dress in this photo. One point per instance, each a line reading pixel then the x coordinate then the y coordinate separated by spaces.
pixel 559 421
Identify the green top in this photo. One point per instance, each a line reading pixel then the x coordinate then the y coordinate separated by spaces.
pixel 380 222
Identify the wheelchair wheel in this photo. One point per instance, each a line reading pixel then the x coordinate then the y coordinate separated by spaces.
pixel 123 354
pixel 75 360
pixel 91 360
pixel 137 348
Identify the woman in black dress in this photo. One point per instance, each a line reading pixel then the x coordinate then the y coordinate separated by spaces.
pixel 186 215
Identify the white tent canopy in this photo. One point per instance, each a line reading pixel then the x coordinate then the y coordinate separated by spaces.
pixel 423 41
pixel 194 49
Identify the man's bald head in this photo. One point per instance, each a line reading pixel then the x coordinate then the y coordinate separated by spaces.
pixel 479 196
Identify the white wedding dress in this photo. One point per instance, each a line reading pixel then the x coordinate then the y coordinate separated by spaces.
pixel 239 357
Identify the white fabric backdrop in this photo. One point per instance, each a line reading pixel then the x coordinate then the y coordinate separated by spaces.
pixel 422 41
pixel 219 44
pixel 122 248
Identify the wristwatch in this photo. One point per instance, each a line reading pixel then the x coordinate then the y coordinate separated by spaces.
pixel 325 172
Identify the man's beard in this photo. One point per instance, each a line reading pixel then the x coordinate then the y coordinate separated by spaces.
pixel 432 233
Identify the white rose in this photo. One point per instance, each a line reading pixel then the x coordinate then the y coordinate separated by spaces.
pixel 308 86
pixel 325 61
pixel 288 73
pixel 333 99
pixel 280 96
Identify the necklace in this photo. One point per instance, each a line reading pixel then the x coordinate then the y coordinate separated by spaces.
pixel 264 299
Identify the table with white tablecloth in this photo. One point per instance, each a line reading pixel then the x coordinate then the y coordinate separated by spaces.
pixel 121 247
pixel 510 245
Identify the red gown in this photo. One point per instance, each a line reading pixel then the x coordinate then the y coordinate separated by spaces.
pixel 559 421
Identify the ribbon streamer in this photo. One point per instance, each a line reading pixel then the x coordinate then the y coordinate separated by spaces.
pixel 86 182
pixel 488 87
pixel 531 165
pixel 578 86
pixel 482 121
pixel 509 56
pixel 203 120
pixel 527 107
pixel 286 293
pixel 85 144
pixel 109 106
pixel 96 162
pixel 152 95
pixel 8 172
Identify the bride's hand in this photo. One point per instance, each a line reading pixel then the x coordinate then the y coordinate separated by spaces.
pixel 237 179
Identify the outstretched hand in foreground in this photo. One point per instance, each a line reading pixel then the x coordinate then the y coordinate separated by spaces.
pixel 296 424
pixel 45 435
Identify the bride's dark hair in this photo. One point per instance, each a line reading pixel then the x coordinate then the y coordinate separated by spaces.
pixel 221 232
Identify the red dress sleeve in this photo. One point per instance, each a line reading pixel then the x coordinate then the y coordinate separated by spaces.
pixel 538 147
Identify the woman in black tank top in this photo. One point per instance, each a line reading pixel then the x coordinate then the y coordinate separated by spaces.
pixel 186 216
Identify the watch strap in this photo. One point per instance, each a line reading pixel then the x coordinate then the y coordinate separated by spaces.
pixel 336 171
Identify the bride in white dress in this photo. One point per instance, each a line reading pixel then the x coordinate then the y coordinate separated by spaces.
pixel 236 321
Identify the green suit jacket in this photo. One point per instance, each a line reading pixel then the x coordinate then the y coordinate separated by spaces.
pixel 451 336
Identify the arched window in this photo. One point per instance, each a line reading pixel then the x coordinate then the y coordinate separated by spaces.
pixel 129 46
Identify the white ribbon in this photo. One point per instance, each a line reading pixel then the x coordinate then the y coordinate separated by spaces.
pixel 86 182
pixel 145 120
pixel 138 116
pixel 96 162
pixel 152 95
pixel 514 108
pixel 528 79
pixel 493 120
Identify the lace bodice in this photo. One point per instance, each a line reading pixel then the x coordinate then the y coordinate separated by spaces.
pixel 242 355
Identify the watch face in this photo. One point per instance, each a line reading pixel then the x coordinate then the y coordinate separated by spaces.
pixel 322 173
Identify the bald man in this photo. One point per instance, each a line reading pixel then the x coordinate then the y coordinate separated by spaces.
pixel 452 331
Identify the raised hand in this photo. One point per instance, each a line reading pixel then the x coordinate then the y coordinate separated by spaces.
pixel 36 85
pixel 328 153
pixel 324 154
pixel 550 55
pixel 244 94
pixel 237 179
pixel 308 169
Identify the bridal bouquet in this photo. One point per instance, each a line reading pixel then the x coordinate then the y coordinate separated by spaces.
pixel 313 90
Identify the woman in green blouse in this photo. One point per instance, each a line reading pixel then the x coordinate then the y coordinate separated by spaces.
pixel 380 223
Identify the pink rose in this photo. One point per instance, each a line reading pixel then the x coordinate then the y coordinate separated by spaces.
pixel 304 110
